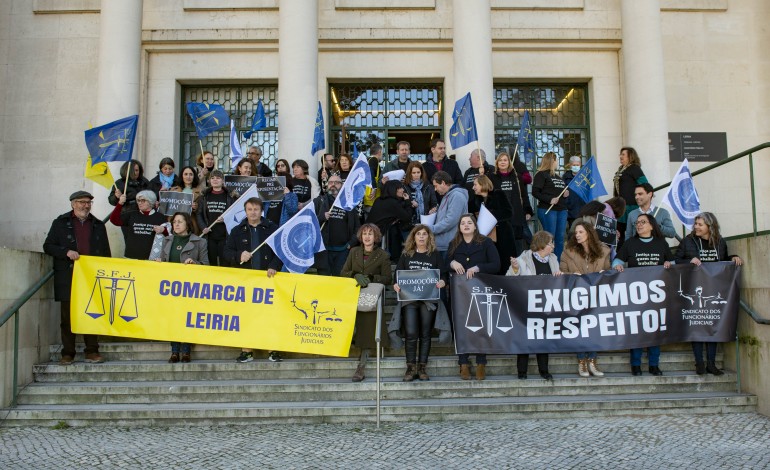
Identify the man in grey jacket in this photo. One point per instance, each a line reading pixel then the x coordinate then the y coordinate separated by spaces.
pixel 643 194
pixel 454 203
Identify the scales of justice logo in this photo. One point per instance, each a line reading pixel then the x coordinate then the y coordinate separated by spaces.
pixel 113 294
pixel 313 305
pixel 489 310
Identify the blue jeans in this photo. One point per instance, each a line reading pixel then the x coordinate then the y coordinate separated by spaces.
pixel 555 222
pixel 466 359
pixel 586 355
pixel 653 356
pixel 711 352
pixel 176 347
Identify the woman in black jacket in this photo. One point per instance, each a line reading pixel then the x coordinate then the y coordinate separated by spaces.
pixel 392 213
pixel 136 183
pixel 166 179
pixel 629 175
pixel 469 253
pixel 497 203
pixel 705 244
pixel 420 191
pixel 211 205
pixel 551 194
pixel 507 178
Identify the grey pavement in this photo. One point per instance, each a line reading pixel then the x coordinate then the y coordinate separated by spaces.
pixel 734 441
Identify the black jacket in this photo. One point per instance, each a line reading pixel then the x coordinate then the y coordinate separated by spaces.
pixel 484 255
pixel 239 240
pixel 389 209
pixel 61 239
pixel 323 204
pixel 450 166
pixel 133 188
pixel 156 185
pixel 204 219
pixel 691 248
pixel 429 198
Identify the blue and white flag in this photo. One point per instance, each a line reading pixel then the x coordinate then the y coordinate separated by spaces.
pixel 298 240
pixel 207 117
pixel 258 121
pixel 526 142
pixel 236 154
pixel 355 150
pixel 587 183
pixel 235 214
pixel 352 192
pixel 463 130
pixel 319 141
pixel 682 196
pixel 113 142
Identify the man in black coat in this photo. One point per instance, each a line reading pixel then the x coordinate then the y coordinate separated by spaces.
pixel 73 234
pixel 339 230
pixel 438 161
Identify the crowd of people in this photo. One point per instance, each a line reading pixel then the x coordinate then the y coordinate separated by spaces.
pixel 393 226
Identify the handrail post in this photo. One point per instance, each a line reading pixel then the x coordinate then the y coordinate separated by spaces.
pixel 738 361
pixel 378 340
pixel 15 383
pixel 753 196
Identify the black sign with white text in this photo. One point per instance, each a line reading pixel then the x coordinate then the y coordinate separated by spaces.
pixel 418 284
pixel 697 146
pixel 171 202
pixel 607 229
pixel 639 307
pixel 271 188
pixel 239 184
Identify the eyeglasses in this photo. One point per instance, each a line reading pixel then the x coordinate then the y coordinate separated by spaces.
pixel 255 153
pixel 84 203
pixel 641 222
pixel 336 183
pixel 141 200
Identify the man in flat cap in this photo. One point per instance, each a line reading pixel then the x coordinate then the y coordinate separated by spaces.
pixel 72 234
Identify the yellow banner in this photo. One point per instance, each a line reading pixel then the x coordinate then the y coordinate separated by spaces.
pixel 213 305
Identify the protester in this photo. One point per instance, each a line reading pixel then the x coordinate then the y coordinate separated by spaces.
pixel 367 263
pixel 437 161
pixel 191 185
pixel 421 192
pixel 550 191
pixel 453 204
pixel 72 234
pixel 478 166
pixel 495 201
pixel 705 245
pixel 373 192
pixel 392 213
pixel 281 165
pixel 629 175
pixel 140 227
pixel 305 186
pixel 136 183
pixel 339 229
pixel 401 162
pixel 419 317
pixel 471 253
pixel 166 179
pixel 506 178
pixel 327 165
pixel 643 194
pixel 539 260
pixel 183 246
pixel 647 248
pixel 212 204
pixel 279 212
pixel 260 169
pixel 343 166
pixel 240 248
pixel 205 164
pixel 574 202
pixel 244 167
pixel 585 254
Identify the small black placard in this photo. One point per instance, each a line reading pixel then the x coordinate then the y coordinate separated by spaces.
pixel 607 228
pixel 172 202
pixel 418 284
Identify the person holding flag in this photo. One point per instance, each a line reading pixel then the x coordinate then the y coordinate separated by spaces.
pixel 132 185
pixel 245 248
pixel 339 229
pixel 574 202
pixel 213 203
pixel 354 186
pixel 551 194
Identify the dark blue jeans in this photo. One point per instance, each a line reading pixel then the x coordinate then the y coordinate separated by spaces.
pixel 465 359
pixel 653 356
pixel 183 348
pixel 711 352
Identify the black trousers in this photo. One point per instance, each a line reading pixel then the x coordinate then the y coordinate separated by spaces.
pixel 68 337
pixel 522 362
pixel 711 352
pixel 217 252
pixel 418 325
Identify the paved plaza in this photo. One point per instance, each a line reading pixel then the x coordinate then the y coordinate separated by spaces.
pixel 735 441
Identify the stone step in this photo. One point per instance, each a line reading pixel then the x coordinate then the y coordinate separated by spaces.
pixel 330 390
pixel 324 368
pixel 433 409
pixel 160 350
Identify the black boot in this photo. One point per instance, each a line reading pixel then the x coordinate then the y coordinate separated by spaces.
pixel 700 368
pixel 411 372
pixel 711 368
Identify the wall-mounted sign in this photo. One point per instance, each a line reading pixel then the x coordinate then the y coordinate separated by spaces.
pixel 697 146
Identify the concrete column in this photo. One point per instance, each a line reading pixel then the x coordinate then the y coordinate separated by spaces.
pixel 646 123
pixel 472 48
pixel 298 79
pixel 120 46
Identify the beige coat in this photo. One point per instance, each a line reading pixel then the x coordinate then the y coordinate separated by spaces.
pixel 573 263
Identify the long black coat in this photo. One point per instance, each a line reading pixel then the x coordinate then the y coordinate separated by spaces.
pixel 497 203
pixel 60 240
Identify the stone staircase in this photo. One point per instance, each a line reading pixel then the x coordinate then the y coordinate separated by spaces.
pixel 136 386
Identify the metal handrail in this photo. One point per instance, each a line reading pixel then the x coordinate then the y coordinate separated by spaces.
pixel 753 314
pixel 13 311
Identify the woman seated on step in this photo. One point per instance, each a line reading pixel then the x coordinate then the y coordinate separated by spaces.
pixel 539 260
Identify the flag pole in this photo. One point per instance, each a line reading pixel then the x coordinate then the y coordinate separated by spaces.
pixel 128 177
pixel 559 196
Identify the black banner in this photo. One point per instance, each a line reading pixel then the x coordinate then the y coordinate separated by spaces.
pixel 607 229
pixel 418 284
pixel 271 188
pixel 239 184
pixel 171 202
pixel 646 306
